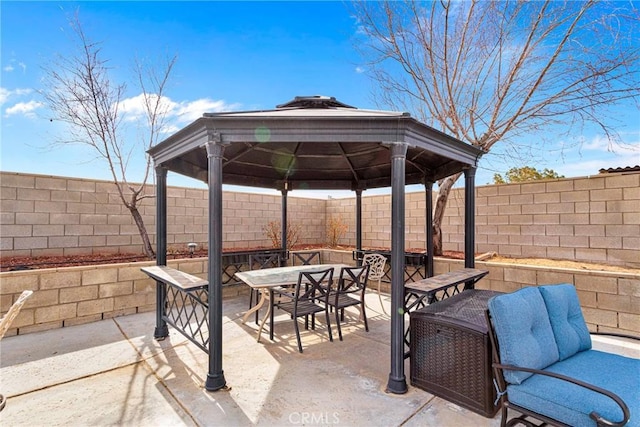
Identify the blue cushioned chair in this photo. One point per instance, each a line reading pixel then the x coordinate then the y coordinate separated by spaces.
pixel 546 369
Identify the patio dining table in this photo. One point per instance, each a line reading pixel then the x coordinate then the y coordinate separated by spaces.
pixel 265 279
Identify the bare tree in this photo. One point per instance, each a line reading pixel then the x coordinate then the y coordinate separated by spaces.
pixel 490 71
pixel 81 93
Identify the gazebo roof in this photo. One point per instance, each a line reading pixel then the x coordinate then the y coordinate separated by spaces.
pixel 314 142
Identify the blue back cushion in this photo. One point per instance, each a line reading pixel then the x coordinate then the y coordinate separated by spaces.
pixel 567 322
pixel 524 333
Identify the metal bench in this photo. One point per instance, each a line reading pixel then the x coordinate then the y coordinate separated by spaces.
pixel 186 305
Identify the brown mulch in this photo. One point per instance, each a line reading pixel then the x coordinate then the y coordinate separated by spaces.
pixel 29 263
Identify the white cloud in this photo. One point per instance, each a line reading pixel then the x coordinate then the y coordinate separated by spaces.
pixel 177 112
pixel 360 70
pixel 5 93
pixel 23 108
pixel 10 67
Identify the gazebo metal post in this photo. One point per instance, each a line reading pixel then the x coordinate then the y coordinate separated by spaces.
pixel 359 225
pixel 428 214
pixel 469 217
pixel 215 376
pixel 284 225
pixel 161 330
pixel 397 381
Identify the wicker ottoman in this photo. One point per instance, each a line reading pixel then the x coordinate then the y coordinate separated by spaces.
pixel 451 352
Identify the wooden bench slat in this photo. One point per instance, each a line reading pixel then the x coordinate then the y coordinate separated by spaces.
pixel 173 277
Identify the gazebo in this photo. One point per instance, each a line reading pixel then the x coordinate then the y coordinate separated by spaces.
pixel 312 142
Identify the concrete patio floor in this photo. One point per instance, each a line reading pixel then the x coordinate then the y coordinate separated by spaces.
pixel 113 372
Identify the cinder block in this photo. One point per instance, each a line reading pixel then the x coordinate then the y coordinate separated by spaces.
pixel 48 230
pixel 574 196
pixel 42 299
pixel 629 322
pixel 33 194
pixel 99 276
pixel 622 180
pixel 619 303
pixel 78 293
pixel 16 282
pixel 533 187
pixel 17 180
pixel 50 207
pixel 508 189
pixel 552 277
pixel 60 279
pixel 591 254
pixel 81 185
pixel 17 230
pixel 600 317
pixel 625 257
pixel 575 241
pixel 86 308
pixel 595 283
pixel 539 198
pixel 631 244
pixel 560 185
pixel 51 183
pixel 629 286
pixel 621 230
pixel 589 183
pixel 30 243
pixel 587 298
pixel 606 194
pixel 66 196
pixel 63 242
pixel 577 219
pixel 631 218
pixel 8 193
pixel 55 313
pixel 64 218
pixel 605 218
pixel 560 253
pixel 129 301
pixel 521 275
pixel 115 289
pixel 17 206
pixel 631 193
pixel 26 317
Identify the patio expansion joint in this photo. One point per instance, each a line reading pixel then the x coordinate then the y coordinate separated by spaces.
pixel 143 361
pixel 417 411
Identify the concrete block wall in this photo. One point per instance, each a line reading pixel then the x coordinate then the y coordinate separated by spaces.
pixel 69 296
pixel 75 295
pixel 610 301
pixel 46 215
pixel 591 219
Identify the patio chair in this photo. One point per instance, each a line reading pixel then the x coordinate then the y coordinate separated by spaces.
pixel 306 258
pixel 545 368
pixel 310 297
pixel 376 263
pixel 258 262
pixel 349 292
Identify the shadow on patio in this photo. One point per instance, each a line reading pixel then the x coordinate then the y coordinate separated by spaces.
pixel 114 373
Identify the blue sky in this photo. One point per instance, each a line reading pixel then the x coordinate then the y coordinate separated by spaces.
pixel 231 56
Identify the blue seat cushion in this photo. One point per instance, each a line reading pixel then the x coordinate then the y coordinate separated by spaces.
pixel 572 404
pixel 567 321
pixel 525 337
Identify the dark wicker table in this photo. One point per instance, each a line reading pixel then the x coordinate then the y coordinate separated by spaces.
pixel 451 352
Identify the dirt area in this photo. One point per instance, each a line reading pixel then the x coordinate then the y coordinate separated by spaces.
pixel 28 263
pixel 564 264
